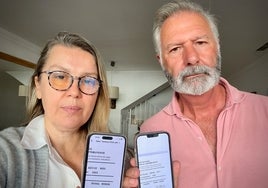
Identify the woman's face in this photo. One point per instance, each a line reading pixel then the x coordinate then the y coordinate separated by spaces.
pixel 67 110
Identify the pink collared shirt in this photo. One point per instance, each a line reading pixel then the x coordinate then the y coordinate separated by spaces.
pixel 242 143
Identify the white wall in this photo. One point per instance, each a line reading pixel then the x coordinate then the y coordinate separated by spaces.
pixel 132 85
pixel 18 47
pixel 13 107
pixel 253 77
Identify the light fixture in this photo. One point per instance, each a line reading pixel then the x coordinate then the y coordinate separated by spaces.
pixel 113 90
pixel 23 90
pixel 114 95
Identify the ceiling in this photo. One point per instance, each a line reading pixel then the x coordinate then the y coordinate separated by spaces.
pixel 121 29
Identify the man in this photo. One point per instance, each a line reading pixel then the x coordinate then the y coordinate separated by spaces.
pixel 218 133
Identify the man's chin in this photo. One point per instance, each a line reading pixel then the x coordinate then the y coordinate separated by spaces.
pixel 195 93
pixel 195 89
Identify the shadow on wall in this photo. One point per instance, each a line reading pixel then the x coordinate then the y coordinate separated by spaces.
pixel 13 107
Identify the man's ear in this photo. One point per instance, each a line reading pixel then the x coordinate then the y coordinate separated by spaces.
pixel 158 57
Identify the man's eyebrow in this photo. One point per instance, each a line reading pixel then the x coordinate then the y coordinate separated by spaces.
pixel 170 45
pixel 174 44
pixel 202 37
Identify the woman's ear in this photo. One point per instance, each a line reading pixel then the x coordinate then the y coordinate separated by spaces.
pixel 37 88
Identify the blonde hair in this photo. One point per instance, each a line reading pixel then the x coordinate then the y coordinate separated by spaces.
pixel 99 118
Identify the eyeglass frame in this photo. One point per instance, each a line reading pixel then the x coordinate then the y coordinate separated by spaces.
pixel 73 78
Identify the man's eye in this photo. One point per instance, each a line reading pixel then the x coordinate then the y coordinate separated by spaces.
pixel 174 49
pixel 201 42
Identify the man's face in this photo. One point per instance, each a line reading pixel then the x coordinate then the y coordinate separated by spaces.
pixel 189 53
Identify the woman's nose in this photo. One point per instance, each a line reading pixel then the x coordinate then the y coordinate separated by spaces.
pixel 74 89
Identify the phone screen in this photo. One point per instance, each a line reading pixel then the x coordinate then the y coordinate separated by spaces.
pixel 104 161
pixel 154 160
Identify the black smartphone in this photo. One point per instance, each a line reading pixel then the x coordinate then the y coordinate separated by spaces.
pixel 104 161
pixel 153 155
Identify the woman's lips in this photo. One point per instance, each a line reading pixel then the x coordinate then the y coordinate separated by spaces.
pixel 71 109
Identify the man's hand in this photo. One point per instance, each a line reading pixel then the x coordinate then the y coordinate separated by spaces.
pixel 133 173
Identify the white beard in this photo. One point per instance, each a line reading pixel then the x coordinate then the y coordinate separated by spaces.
pixel 197 85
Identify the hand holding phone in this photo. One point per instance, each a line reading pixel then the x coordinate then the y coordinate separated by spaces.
pixel 153 155
pixel 104 161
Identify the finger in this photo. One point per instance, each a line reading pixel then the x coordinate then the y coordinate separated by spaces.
pixel 133 172
pixel 131 178
pixel 130 183
pixel 133 162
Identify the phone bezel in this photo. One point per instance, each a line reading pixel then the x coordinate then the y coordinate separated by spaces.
pixel 169 147
pixel 86 155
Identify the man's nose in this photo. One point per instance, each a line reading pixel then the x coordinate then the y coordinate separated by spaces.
pixel 190 54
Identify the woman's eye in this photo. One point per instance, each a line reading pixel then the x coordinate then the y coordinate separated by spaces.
pixel 60 77
pixel 89 81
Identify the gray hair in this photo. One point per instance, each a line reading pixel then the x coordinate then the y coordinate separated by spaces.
pixel 174 7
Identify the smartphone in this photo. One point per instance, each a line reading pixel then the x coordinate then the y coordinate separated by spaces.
pixel 153 155
pixel 104 161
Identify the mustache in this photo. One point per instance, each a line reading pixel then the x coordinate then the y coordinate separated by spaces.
pixel 197 69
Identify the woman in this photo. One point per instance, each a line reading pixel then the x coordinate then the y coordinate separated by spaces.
pixel 68 99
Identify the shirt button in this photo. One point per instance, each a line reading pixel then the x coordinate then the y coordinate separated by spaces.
pixel 200 138
pixel 219 168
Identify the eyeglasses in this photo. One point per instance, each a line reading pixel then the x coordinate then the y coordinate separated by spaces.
pixel 62 81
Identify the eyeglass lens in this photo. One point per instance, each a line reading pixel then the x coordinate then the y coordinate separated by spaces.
pixel 62 81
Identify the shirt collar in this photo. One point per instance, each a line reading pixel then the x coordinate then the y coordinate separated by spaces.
pixel 34 136
pixel 233 96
